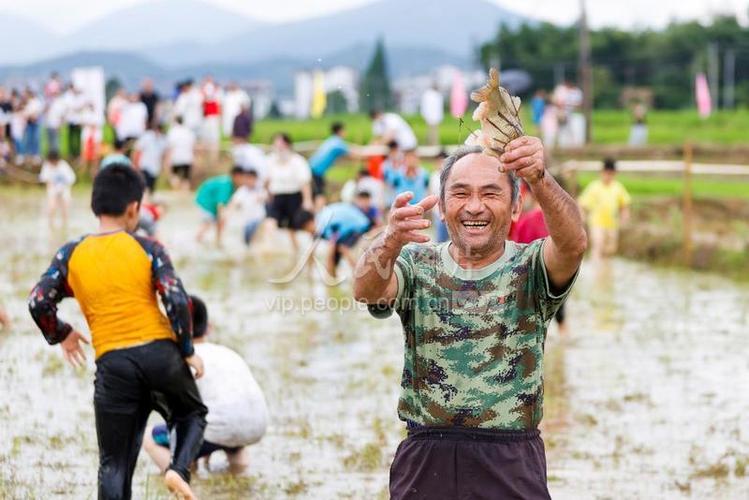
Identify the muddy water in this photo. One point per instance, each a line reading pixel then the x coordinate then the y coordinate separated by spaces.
pixel 647 396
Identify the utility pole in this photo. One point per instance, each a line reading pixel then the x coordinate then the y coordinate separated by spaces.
pixel 585 74
pixel 729 78
pixel 712 74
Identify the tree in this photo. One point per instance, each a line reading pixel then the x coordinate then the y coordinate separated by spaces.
pixel 375 90
pixel 111 87
pixel 337 103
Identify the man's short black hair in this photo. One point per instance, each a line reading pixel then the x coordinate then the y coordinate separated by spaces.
pixel 336 128
pixel 609 164
pixel 115 188
pixel 302 218
pixel 364 194
pixel 53 155
pixel 374 113
pixel 393 144
pixel 237 170
pixel 285 137
pixel 199 317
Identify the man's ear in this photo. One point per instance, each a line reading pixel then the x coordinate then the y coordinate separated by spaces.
pixel 517 208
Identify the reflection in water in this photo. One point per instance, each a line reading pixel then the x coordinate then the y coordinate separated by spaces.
pixel 646 396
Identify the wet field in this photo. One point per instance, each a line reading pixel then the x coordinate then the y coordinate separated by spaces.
pixel 647 396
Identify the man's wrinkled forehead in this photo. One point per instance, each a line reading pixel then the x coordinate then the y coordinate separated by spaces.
pixel 477 168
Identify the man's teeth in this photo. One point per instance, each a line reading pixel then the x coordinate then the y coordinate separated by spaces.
pixel 475 223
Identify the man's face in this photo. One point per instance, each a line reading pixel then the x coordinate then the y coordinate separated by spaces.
pixel 608 176
pixel 363 202
pixel 478 205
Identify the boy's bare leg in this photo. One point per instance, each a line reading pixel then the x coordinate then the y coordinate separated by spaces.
pixel 330 261
pixel 4 319
pixel 158 454
pixel 239 461
pixel 204 227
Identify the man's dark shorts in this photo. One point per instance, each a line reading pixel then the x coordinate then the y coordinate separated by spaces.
pixel 318 185
pixel 182 171
pixel 458 463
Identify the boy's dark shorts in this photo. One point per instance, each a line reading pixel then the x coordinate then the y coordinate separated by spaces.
pixel 318 185
pixel 458 463
pixel 182 171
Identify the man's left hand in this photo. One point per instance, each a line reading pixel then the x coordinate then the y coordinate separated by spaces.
pixel 525 155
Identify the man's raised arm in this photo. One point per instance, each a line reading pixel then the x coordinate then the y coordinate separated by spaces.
pixel 374 279
pixel 567 241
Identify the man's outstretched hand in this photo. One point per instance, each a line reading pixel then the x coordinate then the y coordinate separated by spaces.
pixel 406 221
pixel 72 349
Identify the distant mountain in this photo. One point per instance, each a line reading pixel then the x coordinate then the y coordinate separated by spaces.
pixel 451 26
pixel 131 68
pixel 23 40
pixel 151 24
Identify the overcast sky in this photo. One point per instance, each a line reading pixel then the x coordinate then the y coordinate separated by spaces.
pixel 67 15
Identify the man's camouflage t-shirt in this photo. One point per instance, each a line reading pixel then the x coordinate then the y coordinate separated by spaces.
pixel 474 339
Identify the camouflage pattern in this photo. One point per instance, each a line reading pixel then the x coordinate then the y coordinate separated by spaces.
pixel 474 340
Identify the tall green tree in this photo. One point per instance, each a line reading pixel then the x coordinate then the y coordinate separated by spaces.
pixel 665 60
pixel 374 92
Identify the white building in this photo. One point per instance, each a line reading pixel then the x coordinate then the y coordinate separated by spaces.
pixel 408 90
pixel 338 78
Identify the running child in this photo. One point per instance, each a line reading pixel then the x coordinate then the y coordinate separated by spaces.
pixel 57 174
pixel 249 200
pixel 237 412
pixel 140 353
pixel 213 196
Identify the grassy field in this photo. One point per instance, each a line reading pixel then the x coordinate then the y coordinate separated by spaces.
pixel 648 185
pixel 609 127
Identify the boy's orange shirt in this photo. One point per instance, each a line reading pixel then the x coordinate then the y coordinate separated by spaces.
pixel 115 278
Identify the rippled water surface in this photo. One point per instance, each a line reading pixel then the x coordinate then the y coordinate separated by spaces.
pixel 647 395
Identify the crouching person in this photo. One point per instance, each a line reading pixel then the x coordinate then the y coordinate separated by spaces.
pixel 237 412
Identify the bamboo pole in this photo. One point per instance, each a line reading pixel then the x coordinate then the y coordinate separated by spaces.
pixel 687 204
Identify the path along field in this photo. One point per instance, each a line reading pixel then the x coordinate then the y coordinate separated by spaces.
pixel 646 398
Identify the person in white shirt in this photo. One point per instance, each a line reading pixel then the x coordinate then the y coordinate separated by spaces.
pixel 249 157
pixel 289 185
pixel 569 99
pixel 387 127
pixel 150 150
pixel 114 109
pixel 433 112
pixel 237 411
pixel 181 154
pixel 57 174
pixel 189 107
pixel 75 111
pixel 133 119
pixel 55 116
pixel 234 99
pixel 249 201
pixel 33 111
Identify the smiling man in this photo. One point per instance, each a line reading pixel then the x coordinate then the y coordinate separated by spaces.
pixel 475 311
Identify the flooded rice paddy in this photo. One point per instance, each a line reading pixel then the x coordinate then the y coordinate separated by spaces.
pixel 647 396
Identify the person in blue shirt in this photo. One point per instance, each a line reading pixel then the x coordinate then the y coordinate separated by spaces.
pixel 412 177
pixel 538 105
pixel 343 224
pixel 326 155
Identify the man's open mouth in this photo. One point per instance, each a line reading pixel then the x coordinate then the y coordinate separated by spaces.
pixel 475 224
